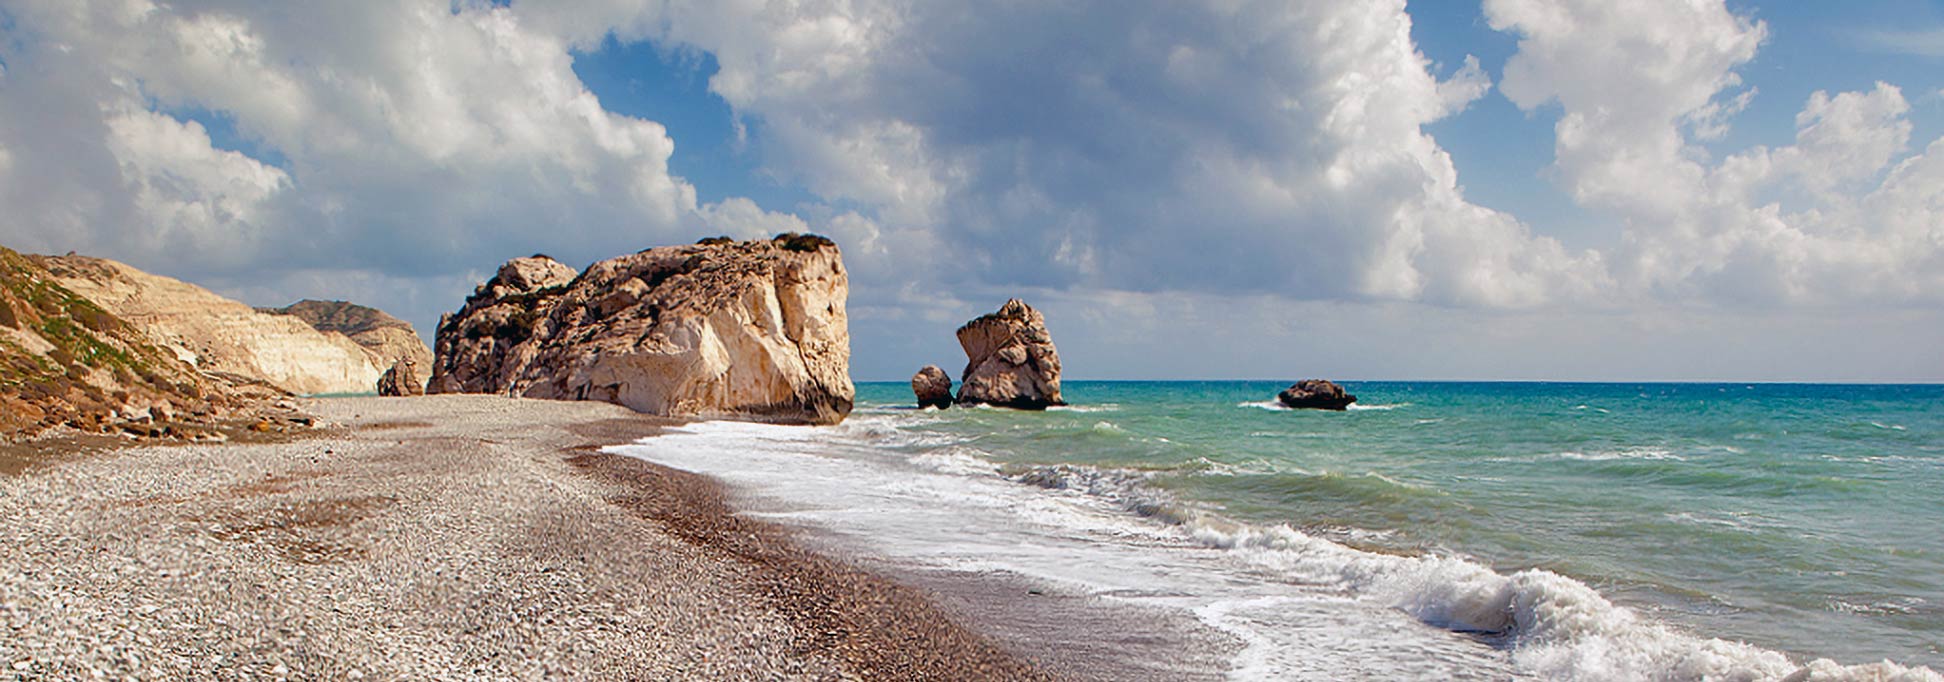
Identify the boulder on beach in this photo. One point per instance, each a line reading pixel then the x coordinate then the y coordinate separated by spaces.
pixel 933 387
pixel 1315 394
pixel 1011 361
pixel 402 380
pixel 751 330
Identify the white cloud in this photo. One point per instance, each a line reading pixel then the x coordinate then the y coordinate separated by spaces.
pixel 1269 146
pixel 1816 222
pixel 1255 148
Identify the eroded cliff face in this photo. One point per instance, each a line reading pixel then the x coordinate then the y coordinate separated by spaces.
pixel 218 335
pixel 65 361
pixel 753 330
pixel 389 339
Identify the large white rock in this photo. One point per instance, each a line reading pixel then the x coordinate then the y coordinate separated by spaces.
pixel 753 330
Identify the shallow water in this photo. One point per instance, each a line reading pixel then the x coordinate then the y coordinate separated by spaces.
pixel 1441 529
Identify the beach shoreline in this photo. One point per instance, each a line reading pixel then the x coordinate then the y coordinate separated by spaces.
pixel 461 537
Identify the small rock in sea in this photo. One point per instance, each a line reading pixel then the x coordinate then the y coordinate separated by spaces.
pixel 933 387
pixel 1315 394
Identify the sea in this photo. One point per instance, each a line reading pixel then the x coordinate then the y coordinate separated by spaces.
pixel 1435 530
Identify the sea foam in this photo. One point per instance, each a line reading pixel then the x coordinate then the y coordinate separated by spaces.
pixel 1304 606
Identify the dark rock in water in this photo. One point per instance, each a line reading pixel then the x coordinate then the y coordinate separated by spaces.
pixel 933 387
pixel 1315 394
pixel 401 380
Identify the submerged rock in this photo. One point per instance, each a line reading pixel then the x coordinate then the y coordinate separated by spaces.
pixel 401 380
pixel 753 329
pixel 933 387
pixel 1011 361
pixel 1317 394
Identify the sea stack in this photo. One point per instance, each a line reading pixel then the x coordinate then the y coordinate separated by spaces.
pixel 1011 361
pixel 1315 394
pixel 933 387
pixel 721 328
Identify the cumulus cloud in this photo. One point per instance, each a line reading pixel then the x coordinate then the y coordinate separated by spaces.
pixel 1272 149
pixel 1833 217
pixel 1258 147
pixel 411 138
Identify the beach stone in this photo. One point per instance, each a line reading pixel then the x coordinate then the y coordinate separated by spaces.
pixel 754 330
pixel 933 387
pixel 1317 394
pixel 401 380
pixel 1011 361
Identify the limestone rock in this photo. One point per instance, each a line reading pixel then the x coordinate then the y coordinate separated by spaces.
pixel 387 338
pixel 1011 361
pixel 401 380
pixel 65 361
pixel 218 335
pixel 1316 394
pixel 753 330
pixel 933 387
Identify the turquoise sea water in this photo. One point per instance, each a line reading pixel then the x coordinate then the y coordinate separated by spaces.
pixel 1435 530
pixel 1805 518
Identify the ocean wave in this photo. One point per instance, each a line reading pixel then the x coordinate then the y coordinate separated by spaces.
pixel 1551 625
pixel 1556 627
pixel 1392 406
pixel 1264 405
pixel 1085 409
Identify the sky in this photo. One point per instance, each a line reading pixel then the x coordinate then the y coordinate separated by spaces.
pixel 1655 190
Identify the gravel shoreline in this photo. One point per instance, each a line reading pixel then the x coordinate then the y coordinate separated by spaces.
pixel 447 537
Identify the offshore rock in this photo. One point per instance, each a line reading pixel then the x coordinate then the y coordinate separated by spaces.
pixel 933 387
pixel 1011 361
pixel 1315 394
pixel 401 380
pixel 752 330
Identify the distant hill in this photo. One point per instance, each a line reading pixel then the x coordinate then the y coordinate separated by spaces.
pixel 390 338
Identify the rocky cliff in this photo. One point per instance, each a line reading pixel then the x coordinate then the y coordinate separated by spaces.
pixel 1010 360
pixel 388 338
pixel 753 330
pixel 65 361
pixel 219 335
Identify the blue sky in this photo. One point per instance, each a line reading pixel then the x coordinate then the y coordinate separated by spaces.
pixel 1511 189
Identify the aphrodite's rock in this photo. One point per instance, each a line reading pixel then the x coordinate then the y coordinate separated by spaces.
pixel 751 329
pixel 1011 360
pixel 933 387
pixel 219 335
pixel 1317 394
pixel 401 380
pixel 387 338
